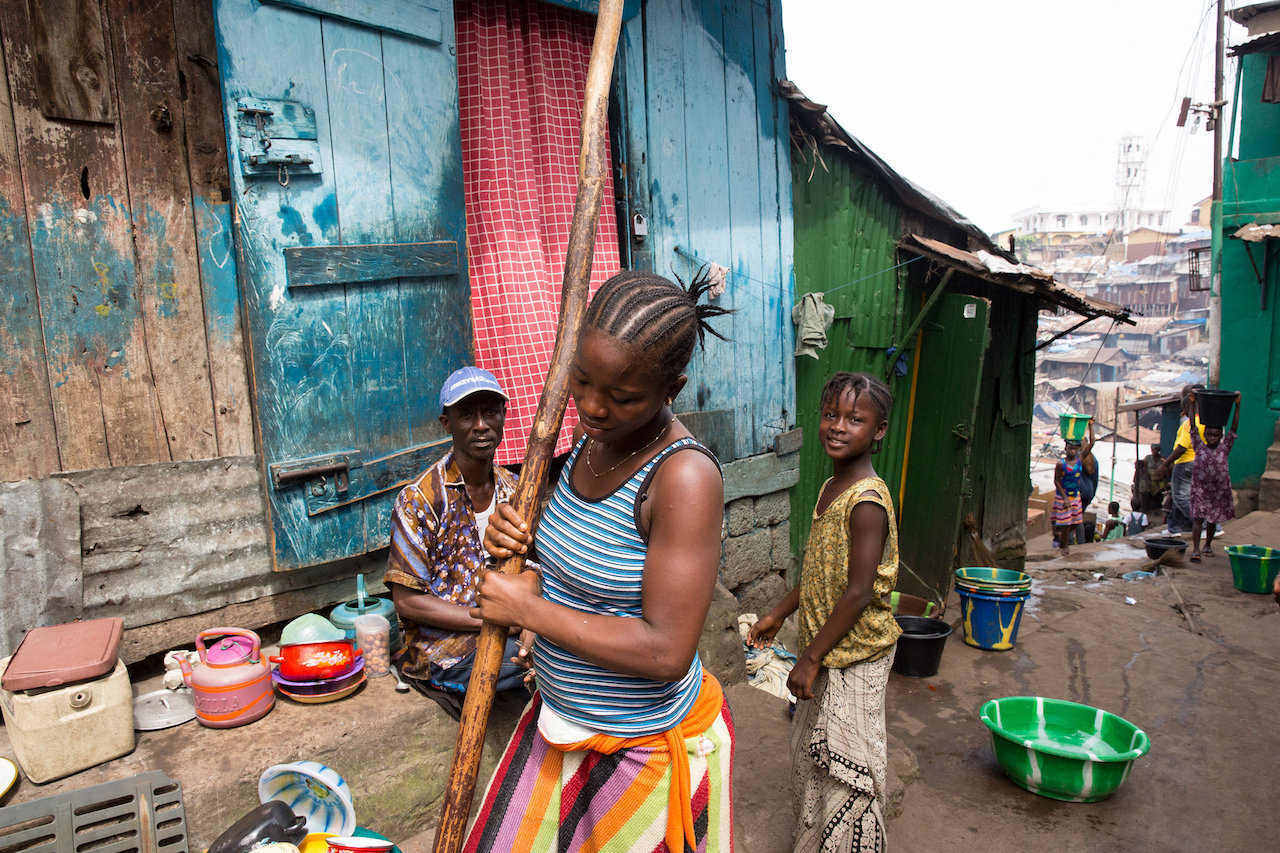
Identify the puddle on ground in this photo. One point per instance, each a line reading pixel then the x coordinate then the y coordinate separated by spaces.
pixel 1117 551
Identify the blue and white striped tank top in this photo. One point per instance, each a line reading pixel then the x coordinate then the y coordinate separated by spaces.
pixel 592 557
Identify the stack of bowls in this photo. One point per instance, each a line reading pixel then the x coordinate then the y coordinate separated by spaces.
pixel 991 602
pixel 317 663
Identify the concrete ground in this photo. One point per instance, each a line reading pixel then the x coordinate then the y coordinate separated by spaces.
pixel 1208 701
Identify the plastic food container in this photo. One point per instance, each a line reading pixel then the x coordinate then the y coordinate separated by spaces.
pixel 373 636
pixel 59 731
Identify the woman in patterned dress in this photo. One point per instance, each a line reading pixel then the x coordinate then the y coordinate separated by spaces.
pixel 1211 500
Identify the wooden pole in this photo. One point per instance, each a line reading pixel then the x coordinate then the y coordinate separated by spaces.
pixel 592 170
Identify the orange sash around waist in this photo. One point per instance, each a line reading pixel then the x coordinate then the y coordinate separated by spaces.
pixel 703 714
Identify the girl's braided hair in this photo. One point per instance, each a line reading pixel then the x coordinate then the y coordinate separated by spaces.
pixel 859 383
pixel 661 319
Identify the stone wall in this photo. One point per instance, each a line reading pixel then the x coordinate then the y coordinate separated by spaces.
pixel 756 561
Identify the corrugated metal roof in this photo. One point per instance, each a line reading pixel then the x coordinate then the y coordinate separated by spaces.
pixel 819 125
pixel 1262 44
pixel 1017 276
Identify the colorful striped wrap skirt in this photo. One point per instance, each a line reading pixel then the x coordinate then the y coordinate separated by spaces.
pixel 614 794
pixel 1068 510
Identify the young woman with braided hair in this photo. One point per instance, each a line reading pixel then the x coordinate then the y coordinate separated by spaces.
pixel 847 630
pixel 628 742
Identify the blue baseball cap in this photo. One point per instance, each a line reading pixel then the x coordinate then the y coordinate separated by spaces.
pixel 466 381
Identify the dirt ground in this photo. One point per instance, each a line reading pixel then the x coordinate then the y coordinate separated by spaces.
pixel 1208 702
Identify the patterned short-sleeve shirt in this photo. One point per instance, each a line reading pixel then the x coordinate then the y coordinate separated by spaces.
pixel 436 548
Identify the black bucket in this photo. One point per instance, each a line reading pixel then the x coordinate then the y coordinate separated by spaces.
pixel 1214 407
pixel 920 646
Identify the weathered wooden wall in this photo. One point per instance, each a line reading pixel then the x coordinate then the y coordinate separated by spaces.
pixel 708 166
pixel 121 342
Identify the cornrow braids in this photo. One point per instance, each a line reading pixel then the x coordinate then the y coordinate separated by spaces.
pixel 661 319
pixel 859 383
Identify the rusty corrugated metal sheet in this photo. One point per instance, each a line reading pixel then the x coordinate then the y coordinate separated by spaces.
pixel 174 539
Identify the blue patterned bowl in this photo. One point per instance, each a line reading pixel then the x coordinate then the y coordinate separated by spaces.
pixel 315 792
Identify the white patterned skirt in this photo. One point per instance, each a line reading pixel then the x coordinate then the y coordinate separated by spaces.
pixel 839 758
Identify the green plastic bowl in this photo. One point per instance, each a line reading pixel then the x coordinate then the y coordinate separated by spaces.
pixel 989 579
pixel 1253 567
pixel 1061 749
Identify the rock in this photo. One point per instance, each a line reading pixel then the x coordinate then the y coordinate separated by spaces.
pixel 761 594
pixel 772 509
pixel 739 515
pixel 780 546
pixel 1246 501
pixel 746 558
pixel 720 647
pixel 903 770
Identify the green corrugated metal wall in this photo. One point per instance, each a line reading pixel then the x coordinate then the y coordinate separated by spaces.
pixel 846 228
pixel 1000 457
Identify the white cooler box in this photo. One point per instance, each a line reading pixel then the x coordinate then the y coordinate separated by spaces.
pixel 57 731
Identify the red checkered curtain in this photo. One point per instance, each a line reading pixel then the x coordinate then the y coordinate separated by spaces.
pixel 522 70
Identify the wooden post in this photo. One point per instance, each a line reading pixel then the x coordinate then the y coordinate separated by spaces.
pixel 592 170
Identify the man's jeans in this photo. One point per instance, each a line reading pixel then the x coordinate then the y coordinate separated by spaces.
pixel 455 678
pixel 1180 489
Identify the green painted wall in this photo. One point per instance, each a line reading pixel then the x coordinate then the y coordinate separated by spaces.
pixel 846 228
pixel 1250 348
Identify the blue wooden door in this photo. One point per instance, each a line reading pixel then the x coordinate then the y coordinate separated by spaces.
pixel 342 121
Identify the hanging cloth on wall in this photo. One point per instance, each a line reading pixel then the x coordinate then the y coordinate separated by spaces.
pixel 812 317
pixel 522 71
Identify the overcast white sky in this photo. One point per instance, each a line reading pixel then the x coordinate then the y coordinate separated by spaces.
pixel 998 105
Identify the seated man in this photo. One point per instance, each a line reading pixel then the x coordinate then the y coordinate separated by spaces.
pixel 437 528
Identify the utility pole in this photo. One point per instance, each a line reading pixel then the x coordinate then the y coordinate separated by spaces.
pixel 1215 216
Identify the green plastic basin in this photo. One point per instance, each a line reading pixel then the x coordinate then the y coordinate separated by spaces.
pixel 1253 567
pixel 1073 426
pixel 1062 749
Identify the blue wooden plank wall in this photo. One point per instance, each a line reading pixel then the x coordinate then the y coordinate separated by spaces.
pixel 709 161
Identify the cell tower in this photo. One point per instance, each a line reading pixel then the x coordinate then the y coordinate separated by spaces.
pixel 1131 176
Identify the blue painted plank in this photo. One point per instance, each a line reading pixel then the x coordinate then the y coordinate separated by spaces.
pixel 754 289
pixel 707 170
pixel 362 180
pixel 636 142
pixel 786 230
pixel 774 399
pixel 668 183
pixel 426 171
pixel 416 19
pixel 630 8
pixel 318 266
pixel 299 341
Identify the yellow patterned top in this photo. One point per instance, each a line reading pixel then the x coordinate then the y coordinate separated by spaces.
pixel 825 577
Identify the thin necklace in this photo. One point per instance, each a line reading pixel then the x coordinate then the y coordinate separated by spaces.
pixel 624 459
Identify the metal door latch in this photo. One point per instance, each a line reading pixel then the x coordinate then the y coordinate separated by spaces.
pixel 316 468
pixel 277 139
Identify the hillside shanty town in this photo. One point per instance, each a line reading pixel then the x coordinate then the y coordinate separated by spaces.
pixel 639 426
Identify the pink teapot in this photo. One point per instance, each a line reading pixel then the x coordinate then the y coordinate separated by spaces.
pixel 232 681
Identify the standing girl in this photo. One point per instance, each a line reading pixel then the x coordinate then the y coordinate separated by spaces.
pixel 1068 509
pixel 847 629
pixel 1211 500
pixel 628 743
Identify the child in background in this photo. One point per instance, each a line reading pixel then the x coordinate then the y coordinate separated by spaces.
pixel 1211 500
pixel 1068 509
pixel 847 629
pixel 1136 521
pixel 1115 524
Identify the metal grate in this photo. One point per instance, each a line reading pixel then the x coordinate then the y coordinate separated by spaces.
pixel 1196 281
pixel 141 814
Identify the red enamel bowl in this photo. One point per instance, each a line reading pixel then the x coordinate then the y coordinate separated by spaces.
pixel 314 661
